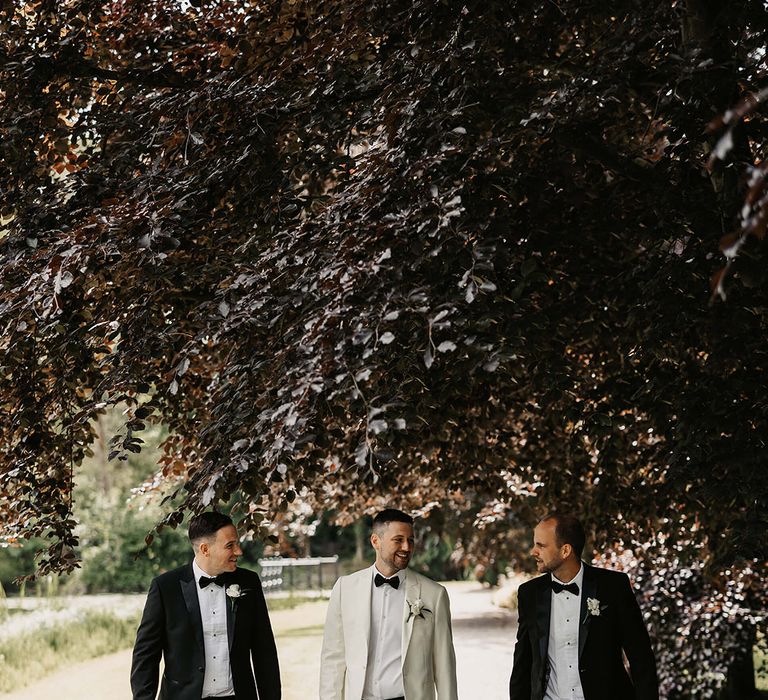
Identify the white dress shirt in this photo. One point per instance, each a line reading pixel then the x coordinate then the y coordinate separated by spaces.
pixel 213 611
pixel 564 680
pixel 384 672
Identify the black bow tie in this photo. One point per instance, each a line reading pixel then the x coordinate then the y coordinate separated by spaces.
pixel 218 580
pixel 570 587
pixel 380 580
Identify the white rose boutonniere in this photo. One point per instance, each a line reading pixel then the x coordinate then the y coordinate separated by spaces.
pixel 594 608
pixel 234 593
pixel 417 608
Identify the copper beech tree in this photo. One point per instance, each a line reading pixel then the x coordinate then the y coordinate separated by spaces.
pixel 467 253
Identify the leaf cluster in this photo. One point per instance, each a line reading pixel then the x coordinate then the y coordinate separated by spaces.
pixel 457 252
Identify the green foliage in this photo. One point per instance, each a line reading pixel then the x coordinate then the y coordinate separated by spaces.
pixel 328 538
pixel 761 662
pixel 36 654
pixel 432 558
pixel 18 560
pixel 119 561
pixel 113 525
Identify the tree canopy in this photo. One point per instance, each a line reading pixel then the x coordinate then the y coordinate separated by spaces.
pixel 465 253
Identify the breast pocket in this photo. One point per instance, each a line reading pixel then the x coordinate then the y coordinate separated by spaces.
pixel 423 629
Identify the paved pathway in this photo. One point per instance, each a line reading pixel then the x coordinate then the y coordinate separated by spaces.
pixel 483 634
pixel 484 638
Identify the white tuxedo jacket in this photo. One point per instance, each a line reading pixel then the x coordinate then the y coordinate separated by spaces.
pixel 428 659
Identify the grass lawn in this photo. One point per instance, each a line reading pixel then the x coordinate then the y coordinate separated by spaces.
pixel 761 666
pixel 32 655
pixel 275 604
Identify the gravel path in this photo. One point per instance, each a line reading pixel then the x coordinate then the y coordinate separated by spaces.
pixel 483 634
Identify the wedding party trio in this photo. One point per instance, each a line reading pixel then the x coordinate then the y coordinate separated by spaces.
pixel 387 633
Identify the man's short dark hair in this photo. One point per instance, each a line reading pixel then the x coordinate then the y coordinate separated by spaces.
pixel 568 530
pixel 206 525
pixel 390 515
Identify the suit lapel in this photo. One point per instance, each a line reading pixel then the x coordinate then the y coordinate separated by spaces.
pixel 189 591
pixel 363 585
pixel 543 613
pixel 412 593
pixel 231 605
pixel 589 586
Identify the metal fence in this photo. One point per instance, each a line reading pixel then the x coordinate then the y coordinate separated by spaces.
pixel 281 574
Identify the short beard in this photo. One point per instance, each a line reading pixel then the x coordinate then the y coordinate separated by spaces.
pixel 393 562
pixel 553 566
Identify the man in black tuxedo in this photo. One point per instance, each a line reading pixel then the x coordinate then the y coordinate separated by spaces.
pixel 209 622
pixel 573 624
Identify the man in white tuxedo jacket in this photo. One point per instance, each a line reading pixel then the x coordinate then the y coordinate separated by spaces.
pixel 388 630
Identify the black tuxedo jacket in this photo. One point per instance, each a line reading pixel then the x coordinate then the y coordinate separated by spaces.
pixel 172 627
pixel 601 641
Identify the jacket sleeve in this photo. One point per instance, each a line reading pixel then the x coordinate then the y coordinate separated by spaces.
pixel 443 655
pixel 333 664
pixel 520 680
pixel 637 645
pixel 148 650
pixel 266 668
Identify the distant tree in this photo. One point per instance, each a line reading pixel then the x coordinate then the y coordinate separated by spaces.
pixel 459 252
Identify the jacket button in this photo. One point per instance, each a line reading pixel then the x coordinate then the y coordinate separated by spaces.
pixel 200 668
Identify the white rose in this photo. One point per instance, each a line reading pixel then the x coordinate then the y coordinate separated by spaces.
pixel 234 591
pixel 593 605
pixel 416 607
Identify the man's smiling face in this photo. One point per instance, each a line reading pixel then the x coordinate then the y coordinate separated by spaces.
pixel 394 547
pixel 220 553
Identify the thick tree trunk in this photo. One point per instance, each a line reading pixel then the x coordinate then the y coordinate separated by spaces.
pixel 360 531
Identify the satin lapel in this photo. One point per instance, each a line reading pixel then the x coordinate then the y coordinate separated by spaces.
pixel 189 591
pixel 590 591
pixel 231 605
pixel 543 612
pixel 364 585
pixel 412 593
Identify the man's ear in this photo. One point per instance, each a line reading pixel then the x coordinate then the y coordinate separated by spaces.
pixel 567 551
pixel 204 548
pixel 374 540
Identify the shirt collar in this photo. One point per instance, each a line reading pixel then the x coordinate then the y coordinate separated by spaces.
pixel 198 572
pixel 577 579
